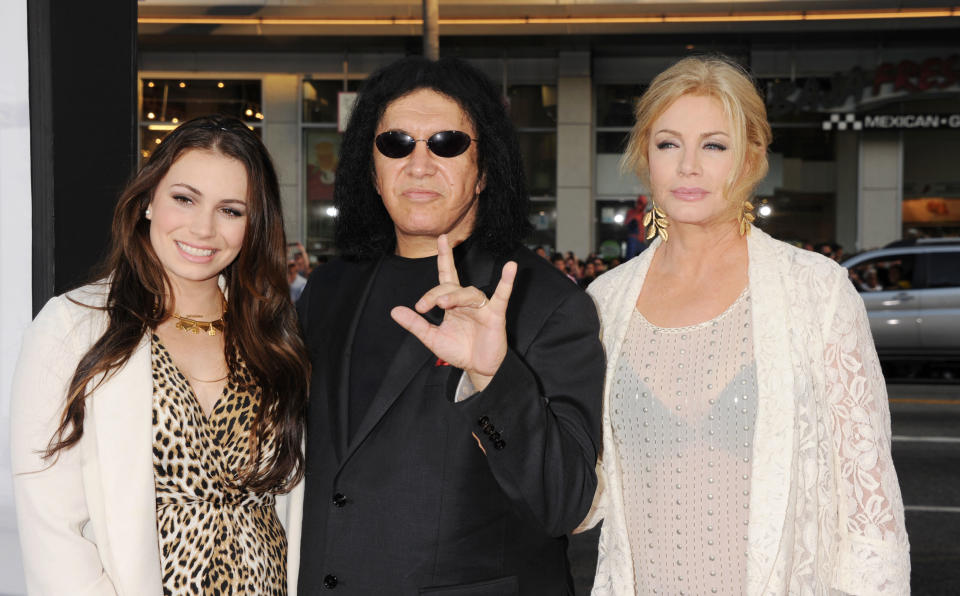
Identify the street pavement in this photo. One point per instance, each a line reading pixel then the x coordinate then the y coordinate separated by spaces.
pixel 925 421
pixel 926 453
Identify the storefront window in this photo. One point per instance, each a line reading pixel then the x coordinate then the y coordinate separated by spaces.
pixel 321 148
pixel 543 218
pixel 798 198
pixel 616 191
pixel 539 151
pixel 615 105
pixel 931 179
pixel 533 106
pixel 612 227
pixel 165 103
pixel 533 110
pixel 320 99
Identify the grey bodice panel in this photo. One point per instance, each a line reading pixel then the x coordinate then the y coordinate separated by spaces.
pixel 683 411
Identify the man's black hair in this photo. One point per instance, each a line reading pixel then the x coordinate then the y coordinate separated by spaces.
pixel 364 229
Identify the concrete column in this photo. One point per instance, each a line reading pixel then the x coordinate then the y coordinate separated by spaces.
pixel 847 146
pixel 281 135
pixel 880 189
pixel 575 154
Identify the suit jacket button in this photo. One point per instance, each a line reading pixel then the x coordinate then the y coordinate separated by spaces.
pixel 330 581
pixel 495 436
pixel 488 428
pixel 499 444
pixel 483 421
pixel 339 500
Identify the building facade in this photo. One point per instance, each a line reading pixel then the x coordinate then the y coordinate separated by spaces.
pixel 864 101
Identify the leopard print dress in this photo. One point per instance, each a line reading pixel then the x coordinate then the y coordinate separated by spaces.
pixel 215 538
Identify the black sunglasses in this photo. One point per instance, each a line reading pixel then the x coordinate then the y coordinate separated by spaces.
pixel 446 143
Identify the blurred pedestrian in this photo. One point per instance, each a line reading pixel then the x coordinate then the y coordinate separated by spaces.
pixel 636 241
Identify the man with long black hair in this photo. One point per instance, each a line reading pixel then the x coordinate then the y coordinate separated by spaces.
pixel 454 416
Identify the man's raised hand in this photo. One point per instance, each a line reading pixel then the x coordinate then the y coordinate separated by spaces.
pixel 473 333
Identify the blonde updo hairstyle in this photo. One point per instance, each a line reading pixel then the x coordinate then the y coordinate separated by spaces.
pixel 732 86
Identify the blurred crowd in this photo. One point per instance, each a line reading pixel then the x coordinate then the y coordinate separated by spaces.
pixel 580 271
pixel 831 250
pixel 584 271
pixel 299 265
pixel 873 276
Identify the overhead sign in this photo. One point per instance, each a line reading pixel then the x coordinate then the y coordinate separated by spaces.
pixel 859 89
pixel 890 121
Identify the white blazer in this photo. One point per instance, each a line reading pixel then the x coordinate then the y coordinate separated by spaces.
pixel 826 513
pixel 88 521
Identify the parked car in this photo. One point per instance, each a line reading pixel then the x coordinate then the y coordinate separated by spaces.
pixel 912 293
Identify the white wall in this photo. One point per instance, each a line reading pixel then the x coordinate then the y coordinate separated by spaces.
pixel 15 266
pixel 881 189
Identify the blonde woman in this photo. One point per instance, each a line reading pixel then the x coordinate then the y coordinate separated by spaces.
pixel 746 445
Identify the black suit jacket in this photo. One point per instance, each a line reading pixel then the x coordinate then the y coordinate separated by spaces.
pixel 410 504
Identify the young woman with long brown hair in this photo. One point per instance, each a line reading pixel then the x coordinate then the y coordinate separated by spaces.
pixel 158 410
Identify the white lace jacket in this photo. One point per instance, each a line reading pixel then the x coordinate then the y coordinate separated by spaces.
pixel 826 515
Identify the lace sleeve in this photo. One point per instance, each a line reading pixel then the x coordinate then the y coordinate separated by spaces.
pixel 874 553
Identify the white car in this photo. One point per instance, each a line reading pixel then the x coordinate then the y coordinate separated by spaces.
pixel 912 294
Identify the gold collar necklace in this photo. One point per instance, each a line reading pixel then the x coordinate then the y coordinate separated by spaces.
pixel 188 325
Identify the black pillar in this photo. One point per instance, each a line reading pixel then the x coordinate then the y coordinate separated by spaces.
pixel 83 75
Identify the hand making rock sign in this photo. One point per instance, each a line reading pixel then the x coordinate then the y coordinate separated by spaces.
pixel 473 334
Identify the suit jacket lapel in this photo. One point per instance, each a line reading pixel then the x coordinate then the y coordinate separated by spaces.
pixel 337 317
pixel 411 357
pixel 474 267
pixel 340 409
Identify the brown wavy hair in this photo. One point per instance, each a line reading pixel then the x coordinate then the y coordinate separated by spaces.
pixel 261 323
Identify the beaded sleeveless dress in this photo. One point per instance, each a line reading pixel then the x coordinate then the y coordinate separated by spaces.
pixel 683 410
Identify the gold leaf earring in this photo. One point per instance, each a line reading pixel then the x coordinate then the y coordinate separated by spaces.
pixel 656 222
pixel 745 217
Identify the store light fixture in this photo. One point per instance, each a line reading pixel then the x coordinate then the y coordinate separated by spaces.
pixel 161 127
pixel 777 16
